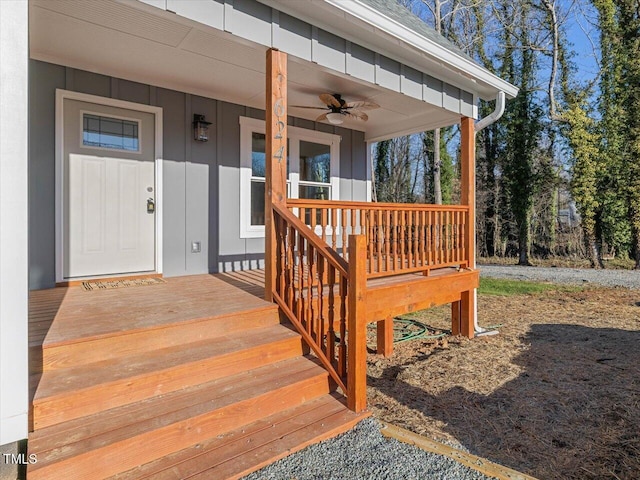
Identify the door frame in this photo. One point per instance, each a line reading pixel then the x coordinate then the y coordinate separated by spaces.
pixel 61 96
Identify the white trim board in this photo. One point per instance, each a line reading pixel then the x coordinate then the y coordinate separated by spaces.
pixel 14 199
pixel 61 96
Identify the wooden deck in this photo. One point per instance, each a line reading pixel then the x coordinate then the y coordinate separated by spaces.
pixel 172 380
pixel 176 378
pixel 99 313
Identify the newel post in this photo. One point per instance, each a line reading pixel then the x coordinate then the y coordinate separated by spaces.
pixel 275 191
pixel 357 325
pixel 468 198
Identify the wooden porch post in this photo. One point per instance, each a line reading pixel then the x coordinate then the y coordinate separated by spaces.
pixel 384 337
pixel 276 158
pixel 357 326
pixel 468 194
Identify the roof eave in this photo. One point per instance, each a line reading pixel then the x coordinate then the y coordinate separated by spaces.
pixel 485 84
pixel 449 58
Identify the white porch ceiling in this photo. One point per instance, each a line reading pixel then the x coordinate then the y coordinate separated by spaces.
pixel 140 43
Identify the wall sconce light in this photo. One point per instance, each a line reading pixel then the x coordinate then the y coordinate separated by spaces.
pixel 335 118
pixel 200 128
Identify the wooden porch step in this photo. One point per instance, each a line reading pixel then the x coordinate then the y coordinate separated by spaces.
pixel 252 447
pixel 120 439
pixel 68 393
pixel 65 353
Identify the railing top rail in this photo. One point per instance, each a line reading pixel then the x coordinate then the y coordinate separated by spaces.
pixel 301 202
pixel 332 257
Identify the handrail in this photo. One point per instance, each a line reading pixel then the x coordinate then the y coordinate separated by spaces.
pixel 304 202
pixel 401 238
pixel 323 297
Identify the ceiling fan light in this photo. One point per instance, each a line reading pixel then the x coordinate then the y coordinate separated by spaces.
pixel 335 118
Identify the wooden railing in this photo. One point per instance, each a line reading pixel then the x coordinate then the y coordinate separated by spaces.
pixel 400 238
pixel 323 297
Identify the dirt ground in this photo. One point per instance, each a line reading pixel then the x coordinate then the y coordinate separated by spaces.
pixel 556 394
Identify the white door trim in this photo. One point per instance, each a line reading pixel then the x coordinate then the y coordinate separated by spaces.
pixel 61 96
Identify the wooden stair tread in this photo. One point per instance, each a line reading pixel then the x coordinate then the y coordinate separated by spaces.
pixel 83 314
pixel 150 429
pixel 247 449
pixel 78 351
pixel 73 379
pixel 144 322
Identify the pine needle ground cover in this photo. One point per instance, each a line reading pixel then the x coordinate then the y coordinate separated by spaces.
pixel 556 394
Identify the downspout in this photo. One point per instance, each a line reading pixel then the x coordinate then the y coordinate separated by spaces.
pixel 485 122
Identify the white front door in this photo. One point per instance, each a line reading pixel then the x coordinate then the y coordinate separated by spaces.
pixel 108 190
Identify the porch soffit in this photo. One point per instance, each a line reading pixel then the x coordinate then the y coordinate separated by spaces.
pixel 131 40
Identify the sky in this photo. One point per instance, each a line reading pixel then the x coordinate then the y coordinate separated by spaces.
pixel 583 35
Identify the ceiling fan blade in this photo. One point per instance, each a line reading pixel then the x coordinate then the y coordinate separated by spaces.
pixel 321 117
pixel 329 99
pixel 305 106
pixel 358 114
pixel 362 105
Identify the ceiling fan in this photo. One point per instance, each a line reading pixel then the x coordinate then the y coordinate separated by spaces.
pixel 337 108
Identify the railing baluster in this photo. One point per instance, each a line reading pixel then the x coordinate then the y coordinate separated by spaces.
pixel 403 225
pixel 309 282
pixel 334 228
pixel 342 346
pixel 323 224
pixel 387 240
pixel 409 239
pixel 370 238
pixel 301 279
pixel 457 232
pixel 353 228
pixel 394 241
pixel 423 238
pixel 344 220
pixel 439 237
pixel 379 240
pixel 320 302
pixel 331 336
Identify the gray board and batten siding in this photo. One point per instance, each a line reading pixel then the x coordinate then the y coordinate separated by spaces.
pixel 201 181
pixel 259 23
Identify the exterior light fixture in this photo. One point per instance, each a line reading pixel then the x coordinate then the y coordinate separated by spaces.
pixel 200 128
pixel 335 118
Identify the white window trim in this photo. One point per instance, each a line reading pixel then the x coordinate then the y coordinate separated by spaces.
pixel 295 134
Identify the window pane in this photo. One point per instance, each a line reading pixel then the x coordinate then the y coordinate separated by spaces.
pixel 258 156
pixel 258 160
pixel 315 193
pixel 257 202
pixel 315 162
pixel 105 132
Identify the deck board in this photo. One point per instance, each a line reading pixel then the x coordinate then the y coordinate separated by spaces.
pixel 81 314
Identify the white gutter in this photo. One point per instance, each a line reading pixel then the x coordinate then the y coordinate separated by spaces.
pixel 493 116
pixel 485 122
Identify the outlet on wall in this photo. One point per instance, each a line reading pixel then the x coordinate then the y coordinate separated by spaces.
pixel 195 247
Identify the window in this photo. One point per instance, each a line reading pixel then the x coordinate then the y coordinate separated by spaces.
pixel 109 132
pixel 313 163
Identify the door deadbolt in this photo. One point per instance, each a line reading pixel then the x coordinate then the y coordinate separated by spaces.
pixel 151 206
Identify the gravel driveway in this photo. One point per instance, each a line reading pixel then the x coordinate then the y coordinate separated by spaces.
pixel 576 276
pixel 363 453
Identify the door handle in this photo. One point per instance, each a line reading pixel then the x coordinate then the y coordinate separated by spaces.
pixel 151 206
